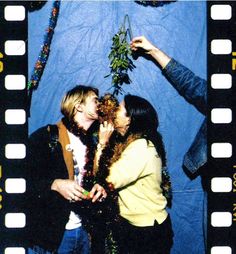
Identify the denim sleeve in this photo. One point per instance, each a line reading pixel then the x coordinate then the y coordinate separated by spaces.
pixel 190 86
pixel 196 156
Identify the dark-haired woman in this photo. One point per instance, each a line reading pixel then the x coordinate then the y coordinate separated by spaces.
pixel 134 165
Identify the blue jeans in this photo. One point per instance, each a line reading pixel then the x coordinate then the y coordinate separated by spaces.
pixel 74 241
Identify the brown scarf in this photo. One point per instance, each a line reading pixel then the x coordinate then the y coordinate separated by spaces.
pixel 67 155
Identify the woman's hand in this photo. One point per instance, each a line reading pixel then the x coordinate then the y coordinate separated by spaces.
pixel 97 193
pixel 105 131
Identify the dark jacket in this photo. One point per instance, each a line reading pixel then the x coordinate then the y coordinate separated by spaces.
pixel 48 211
pixel 194 90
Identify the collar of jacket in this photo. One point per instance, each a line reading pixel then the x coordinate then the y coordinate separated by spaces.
pixel 64 141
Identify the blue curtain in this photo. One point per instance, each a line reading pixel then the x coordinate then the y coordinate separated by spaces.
pixel 79 55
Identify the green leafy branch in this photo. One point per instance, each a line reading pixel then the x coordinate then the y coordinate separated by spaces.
pixel 120 61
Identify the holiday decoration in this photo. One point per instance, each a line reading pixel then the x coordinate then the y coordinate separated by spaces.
pixel 44 53
pixel 119 57
pixel 107 108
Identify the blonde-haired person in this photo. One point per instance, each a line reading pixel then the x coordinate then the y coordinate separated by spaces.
pixel 60 161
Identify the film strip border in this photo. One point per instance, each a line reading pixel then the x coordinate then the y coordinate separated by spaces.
pixel 13 124
pixel 221 127
pixel 221 123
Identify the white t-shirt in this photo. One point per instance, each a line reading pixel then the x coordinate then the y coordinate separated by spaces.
pixel 79 152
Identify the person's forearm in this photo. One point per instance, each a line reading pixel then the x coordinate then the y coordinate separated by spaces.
pixel 96 160
pixel 189 85
pixel 142 43
pixel 98 154
pixel 161 58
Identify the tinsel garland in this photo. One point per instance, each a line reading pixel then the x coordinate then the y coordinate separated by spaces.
pixel 111 207
pixel 45 50
pixel 87 139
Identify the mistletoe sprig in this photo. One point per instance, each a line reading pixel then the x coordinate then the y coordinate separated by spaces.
pixel 120 61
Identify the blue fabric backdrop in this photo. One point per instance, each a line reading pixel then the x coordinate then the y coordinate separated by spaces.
pixel 79 55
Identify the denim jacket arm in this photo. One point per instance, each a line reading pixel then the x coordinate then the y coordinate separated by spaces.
pixel 190 86
pixel 194 90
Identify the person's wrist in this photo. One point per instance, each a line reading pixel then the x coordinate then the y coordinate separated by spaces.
pixel 54 185
pixel 154 51
pixel 101 145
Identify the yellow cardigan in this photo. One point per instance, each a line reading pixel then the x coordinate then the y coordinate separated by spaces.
pixel 137 176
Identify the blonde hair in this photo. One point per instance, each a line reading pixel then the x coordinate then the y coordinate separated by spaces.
pixel 76 95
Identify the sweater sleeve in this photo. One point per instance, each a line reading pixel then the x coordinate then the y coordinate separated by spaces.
pixel 189 85
pixel 130 166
